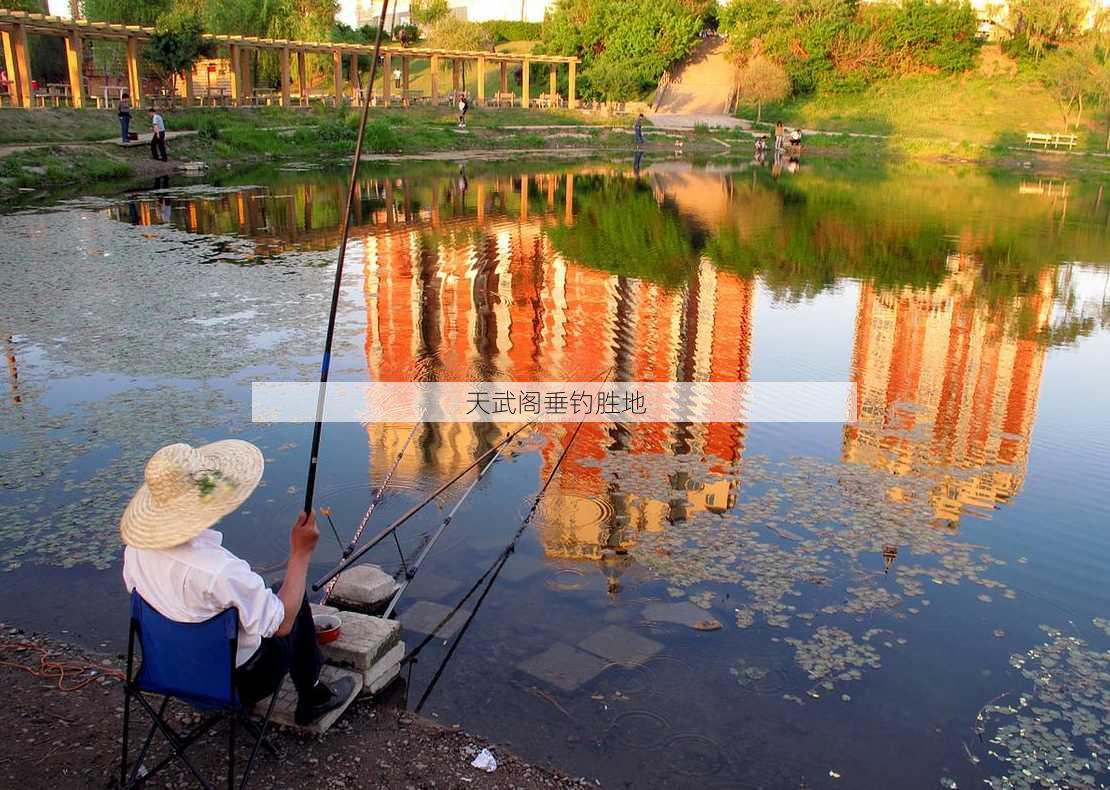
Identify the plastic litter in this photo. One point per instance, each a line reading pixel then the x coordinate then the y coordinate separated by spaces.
pixel 485 761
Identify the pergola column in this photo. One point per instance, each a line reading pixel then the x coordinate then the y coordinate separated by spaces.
pixel 504 77
pixel 248 75
pixel 285 76
pixel 572 102
pixel 353 76
pixel 525 88
pixel 454 75
pixel 387 78
pixel 554 89
pixel 234 73
pixel 73 63
pixel 405 94
pixel 337 75
pixel 302 75
pixel 134 77
pixel 481 78
pixel 190 93
pixel 435 79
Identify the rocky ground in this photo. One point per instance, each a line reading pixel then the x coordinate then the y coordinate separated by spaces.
pixel 70 739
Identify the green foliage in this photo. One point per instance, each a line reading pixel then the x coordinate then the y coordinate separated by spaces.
pixel 177 44
pixel 132 12
pixel 761 80
pixel 504 30
pixel 453 33
pixel 207 130
pixel 626 46
pixel 1068 75
pixel 842 45
pixel 428 12
pixel 1037 26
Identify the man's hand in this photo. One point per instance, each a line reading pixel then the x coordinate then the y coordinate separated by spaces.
pixel 304 536
pixel 302 542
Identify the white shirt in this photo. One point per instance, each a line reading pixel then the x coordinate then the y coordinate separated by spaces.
pixel 157 122
pixel 196 580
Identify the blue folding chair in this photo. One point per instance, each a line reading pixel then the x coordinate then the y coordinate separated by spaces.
pixel 194 663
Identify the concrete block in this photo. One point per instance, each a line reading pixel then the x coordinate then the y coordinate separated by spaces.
pixel 563 666
pixel 286 706
pixel 363 641
pixel 424 616
pixel 620 645
pixel 362 588
pixel 384 672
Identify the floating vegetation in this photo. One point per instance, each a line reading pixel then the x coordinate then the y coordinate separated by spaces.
pixel 832 655
pixel 1058 733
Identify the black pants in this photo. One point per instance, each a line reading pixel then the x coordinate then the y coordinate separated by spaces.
pixel 158 146
pixel 296 653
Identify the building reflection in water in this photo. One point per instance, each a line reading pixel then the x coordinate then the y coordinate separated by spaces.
pixel 462 282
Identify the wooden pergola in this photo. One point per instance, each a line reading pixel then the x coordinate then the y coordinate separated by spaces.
pixel 16 25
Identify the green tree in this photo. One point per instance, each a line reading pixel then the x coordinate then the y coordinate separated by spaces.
pixel 762 80
pixel 428 12
pixel 177 42
pixel 453 33
pixel 128 12
pixel 1040 25
pixel 1067 75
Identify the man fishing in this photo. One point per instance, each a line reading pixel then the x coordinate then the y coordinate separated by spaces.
pixel 176 562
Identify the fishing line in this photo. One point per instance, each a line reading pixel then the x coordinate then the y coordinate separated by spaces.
pixel 345 232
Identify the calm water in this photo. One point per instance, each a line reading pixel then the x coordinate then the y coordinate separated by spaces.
pixel 919 599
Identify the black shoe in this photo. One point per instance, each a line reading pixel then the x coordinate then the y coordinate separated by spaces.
pixel 324 700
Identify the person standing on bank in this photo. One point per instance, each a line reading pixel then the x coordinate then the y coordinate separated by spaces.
pixel 638 128
pixel 123 109
pixel 158 138
pixel 464 105
pixel 177 563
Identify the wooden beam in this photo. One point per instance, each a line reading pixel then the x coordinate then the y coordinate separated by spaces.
pixel 387 78
pixel 454 77
pixel 353 77
pixel 11 66
pixel 285 76
pixel 337 75
pixel 525 87
pixel 504 77
pixel 554 85
pixel 190 94
pixel 248 75
pixel 234 74
pixel 572 102
pixel 134 76
pixel 73 66
pixel 435 79
pixel 302 75
pixel 405 93
pixel 481 79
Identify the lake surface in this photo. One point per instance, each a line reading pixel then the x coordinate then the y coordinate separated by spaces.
pixel 917 599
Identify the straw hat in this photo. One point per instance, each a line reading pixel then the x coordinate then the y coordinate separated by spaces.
pixel 189 489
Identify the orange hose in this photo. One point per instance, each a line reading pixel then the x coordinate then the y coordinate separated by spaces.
pixel 52 669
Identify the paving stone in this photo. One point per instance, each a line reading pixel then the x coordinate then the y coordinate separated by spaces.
pixel 684 613
pixel 424 616
pixel 362 588
pixel 433 586
pixel 563 666
pixel 363 640
pixel 286 706
pixel 620 645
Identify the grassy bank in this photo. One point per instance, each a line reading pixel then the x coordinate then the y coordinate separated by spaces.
pixel 244 137
pixel 976 109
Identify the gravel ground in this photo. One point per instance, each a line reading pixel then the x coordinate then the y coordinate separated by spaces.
pixel 56 739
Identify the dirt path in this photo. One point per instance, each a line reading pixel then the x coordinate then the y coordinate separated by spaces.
pixel 71 739
pixel 703 85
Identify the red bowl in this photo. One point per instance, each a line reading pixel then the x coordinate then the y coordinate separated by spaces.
pixel 328 627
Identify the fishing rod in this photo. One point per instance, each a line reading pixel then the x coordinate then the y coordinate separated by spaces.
pixel 378 496
pixel 389 530
pixel 410 573
pixel 325 364
pixel 495 570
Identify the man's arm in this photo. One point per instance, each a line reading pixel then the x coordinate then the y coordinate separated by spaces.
pixel 302 542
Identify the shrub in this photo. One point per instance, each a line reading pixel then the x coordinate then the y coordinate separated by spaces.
pixel 208 130
pixel 504 30
pixel 761 80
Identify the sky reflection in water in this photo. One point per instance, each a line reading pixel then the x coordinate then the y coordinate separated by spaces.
pixel 877 586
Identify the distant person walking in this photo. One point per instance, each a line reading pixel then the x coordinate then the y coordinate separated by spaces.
pixel 158 138
pixel 638 128
pixel 464 105
pixel 124 111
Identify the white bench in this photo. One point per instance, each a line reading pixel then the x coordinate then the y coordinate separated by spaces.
pixel 1044 140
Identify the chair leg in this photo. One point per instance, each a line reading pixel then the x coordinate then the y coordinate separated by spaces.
pixel 260 740
pixel 126 730
pixel 233 725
